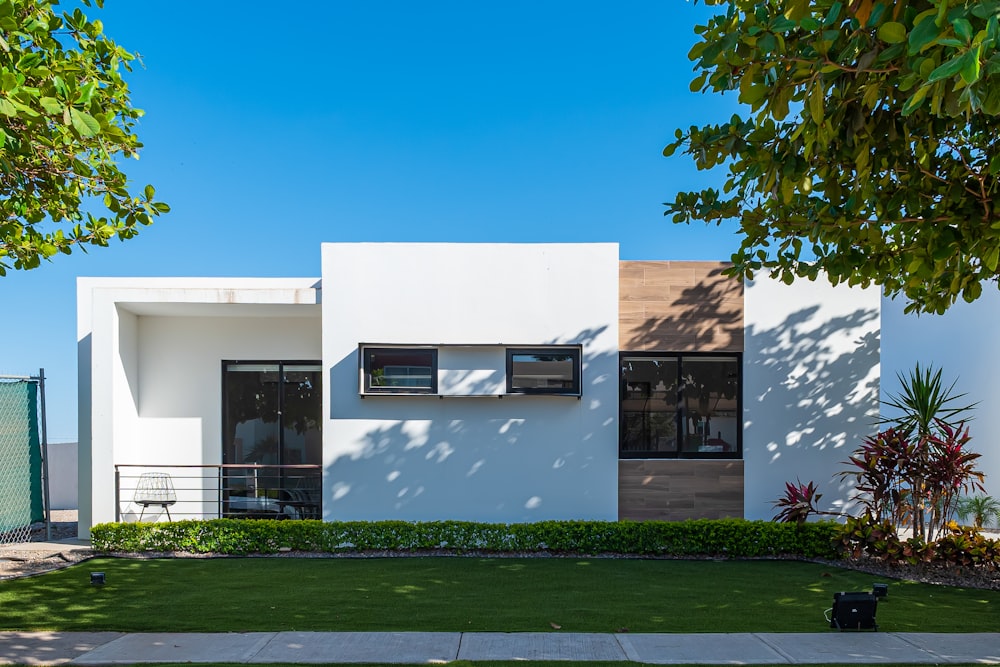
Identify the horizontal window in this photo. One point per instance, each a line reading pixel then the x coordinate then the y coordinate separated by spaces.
pixel 680 406
pixel 400 370
pixel 554 370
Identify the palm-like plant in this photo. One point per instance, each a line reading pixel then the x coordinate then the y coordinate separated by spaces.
pixel 982 509
pixel 924 401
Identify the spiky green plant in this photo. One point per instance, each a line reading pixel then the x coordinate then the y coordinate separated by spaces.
pixel 923 401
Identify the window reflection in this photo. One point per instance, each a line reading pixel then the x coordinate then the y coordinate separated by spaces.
pixel 680 406
pixel 272 416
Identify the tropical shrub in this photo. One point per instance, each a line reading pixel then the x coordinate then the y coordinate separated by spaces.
pixel 967 547
pixel 865 536
pixel 983 510
pixel 914 481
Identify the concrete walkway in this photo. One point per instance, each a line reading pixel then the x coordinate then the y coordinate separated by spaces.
pixel 106 648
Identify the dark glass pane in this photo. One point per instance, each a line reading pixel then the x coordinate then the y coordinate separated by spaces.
pixel 302 412
pixel 649 405
pixel 272 418
pixel 543 371
pixel 408 369
pixel 301 415
pixel 710 388
pixel 250 407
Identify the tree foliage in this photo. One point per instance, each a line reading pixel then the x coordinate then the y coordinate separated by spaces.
pixel 870 150
pixel 65 118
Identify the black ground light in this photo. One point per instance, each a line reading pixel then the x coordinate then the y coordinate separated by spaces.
pixel 853 611
pixel 97 578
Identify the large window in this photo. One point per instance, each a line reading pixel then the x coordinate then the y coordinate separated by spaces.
pixel 554 370
pixel 272 415
pixel 399 370
pixel 680 406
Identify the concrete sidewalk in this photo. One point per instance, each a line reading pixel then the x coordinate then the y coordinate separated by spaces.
pixel 105 648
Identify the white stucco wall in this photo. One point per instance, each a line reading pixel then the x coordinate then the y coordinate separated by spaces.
pixel 150 368
pixel 811 386
pixel 522 458
pixel 962 343
pixel 63 473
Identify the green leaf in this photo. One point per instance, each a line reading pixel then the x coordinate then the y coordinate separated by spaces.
pixel 6 108
pixel 833 14
pixel 51 105
pixel 986 8
pixel 698 82
pixel 993 30
pixel 923 34
pixel 949 68
pixel 754 94
pixel 991 258
pixel 86 92
pixel 892 32
pixel 915 100
pixel 970 70
pixel 877 10
pixel 84 123
pixel 963 29
pixel 816 104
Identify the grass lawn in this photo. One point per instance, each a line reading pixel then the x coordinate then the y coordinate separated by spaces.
pixel 471 594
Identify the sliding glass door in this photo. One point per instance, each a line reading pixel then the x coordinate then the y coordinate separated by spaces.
pixel 272 419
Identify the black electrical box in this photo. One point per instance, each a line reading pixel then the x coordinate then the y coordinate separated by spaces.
pixel 854 611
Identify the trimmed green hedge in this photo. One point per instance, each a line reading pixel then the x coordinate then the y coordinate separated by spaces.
pixel 735 538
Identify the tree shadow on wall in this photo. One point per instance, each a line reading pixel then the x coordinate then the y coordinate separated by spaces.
pixel 810 383
pixel 704 317
pixel 811 395
pixel 516 458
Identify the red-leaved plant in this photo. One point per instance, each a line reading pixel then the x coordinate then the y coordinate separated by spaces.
pixel 798 503
pixel 915 482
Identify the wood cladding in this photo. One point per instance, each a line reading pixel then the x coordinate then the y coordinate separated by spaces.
pixel 679 307
pixel 678 489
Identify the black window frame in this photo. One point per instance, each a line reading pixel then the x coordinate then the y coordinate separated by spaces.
pixel 681 414
pixel 574 351
pixel 307 498
pixel 364 353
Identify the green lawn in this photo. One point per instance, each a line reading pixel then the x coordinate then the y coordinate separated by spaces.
pixel 471 594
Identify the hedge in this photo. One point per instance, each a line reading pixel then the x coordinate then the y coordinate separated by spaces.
pixel 734 538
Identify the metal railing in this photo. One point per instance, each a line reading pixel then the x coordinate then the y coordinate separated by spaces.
pixel 218 491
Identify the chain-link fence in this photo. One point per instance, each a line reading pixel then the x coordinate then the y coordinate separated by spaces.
pixel 21 461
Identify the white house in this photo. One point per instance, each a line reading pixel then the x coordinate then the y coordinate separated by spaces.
pixel 494 382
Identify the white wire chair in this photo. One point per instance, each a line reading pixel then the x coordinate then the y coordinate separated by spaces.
pixel 155 488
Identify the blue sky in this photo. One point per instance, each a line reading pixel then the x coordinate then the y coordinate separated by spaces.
pixel 271 128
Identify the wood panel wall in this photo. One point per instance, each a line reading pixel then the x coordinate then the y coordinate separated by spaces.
pixel 678 489
pixel 679 307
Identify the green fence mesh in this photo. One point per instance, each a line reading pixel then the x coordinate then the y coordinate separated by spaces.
pixel 20 461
